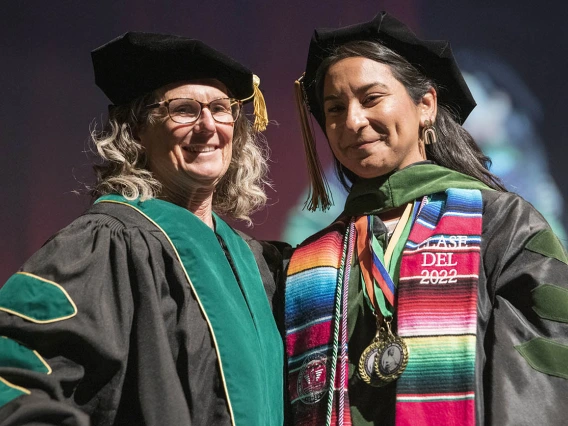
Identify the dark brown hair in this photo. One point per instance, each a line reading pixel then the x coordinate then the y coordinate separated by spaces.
pixel 455 149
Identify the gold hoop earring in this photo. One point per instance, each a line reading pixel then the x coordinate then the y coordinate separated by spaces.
pixel 429 134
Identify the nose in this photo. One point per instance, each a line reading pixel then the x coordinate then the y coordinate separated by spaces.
pixel 205 123
pixel 356 117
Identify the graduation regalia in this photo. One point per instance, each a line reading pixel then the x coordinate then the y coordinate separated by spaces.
pixel 519 325
pixel 138 313
pixel 469 291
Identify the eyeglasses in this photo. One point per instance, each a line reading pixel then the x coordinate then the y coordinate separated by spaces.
pixel 187 111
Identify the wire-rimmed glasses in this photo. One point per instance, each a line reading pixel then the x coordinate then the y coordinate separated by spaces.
pixel 188 111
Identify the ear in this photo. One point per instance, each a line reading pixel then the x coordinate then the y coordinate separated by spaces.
pixel 138 135
pixel 428 106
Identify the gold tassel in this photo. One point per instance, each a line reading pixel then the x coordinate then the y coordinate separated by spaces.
pixel 319 194
pixel 260 113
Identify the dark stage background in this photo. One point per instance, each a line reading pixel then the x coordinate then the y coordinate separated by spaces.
pixel 49 99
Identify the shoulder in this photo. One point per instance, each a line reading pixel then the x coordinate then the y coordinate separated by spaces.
pixel 270 254
pixel 117 215
pixel 509 203
pixel 272 251
pixel 82 262
pixel 514 229
pixel 107 219
pixel 509 212
pixel 105 234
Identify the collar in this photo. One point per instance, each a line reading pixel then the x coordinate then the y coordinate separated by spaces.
pixel 376 195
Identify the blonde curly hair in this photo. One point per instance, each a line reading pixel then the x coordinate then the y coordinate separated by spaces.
pixel 123 164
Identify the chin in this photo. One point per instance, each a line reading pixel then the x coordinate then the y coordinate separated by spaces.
pixel 370 172
pixel 205 179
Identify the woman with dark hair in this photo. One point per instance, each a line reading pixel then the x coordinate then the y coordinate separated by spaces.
pixel 149 309
pixel 431 259
pixel 457 150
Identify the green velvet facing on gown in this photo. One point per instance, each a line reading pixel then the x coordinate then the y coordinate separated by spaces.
pixel 36 299
pixel 551 302
pixel 546 356
pixel 546 243
pixel 14 354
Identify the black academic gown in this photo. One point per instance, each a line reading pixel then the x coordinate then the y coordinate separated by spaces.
pixel 521 367
pixel 134 346
pixel 521 373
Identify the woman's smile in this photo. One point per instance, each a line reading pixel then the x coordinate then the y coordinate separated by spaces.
pixel 372 123
pixel 199 148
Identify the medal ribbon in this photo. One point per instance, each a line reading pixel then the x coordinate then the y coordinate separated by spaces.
pixel 379 289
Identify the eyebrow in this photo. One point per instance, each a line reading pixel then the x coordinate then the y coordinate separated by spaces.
pixel 359 89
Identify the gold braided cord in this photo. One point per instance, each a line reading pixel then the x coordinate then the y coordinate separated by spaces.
pixel 319 194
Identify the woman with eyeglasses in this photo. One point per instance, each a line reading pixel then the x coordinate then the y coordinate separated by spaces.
pixel 149 309
pixel 437 297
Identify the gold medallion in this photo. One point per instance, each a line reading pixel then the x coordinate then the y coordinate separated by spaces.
pixel 367 359
pixel 367 363
pixel 391 358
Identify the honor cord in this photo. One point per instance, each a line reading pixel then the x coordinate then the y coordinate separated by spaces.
pixel 337 317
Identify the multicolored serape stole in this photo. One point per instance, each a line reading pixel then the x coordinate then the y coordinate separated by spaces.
pixel 436 315
pixel 313 300
pixel 437 311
